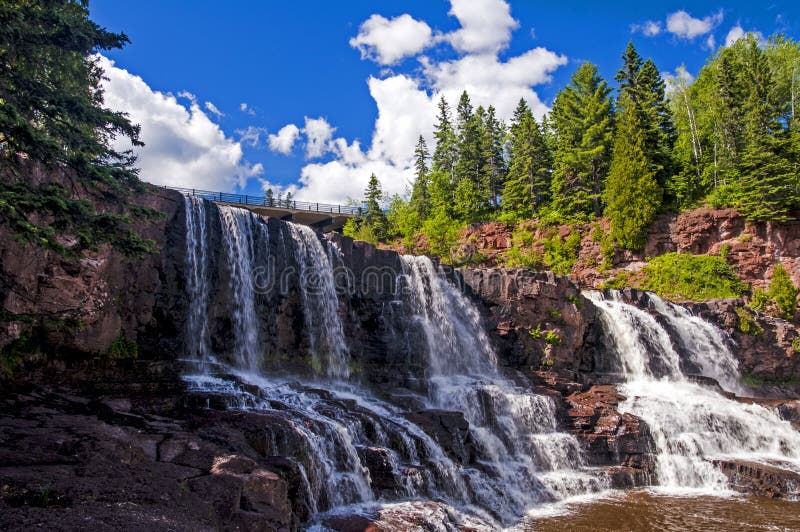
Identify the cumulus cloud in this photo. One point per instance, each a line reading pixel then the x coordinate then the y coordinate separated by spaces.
pixel 252 136
pixel 183 146
pixel 684 26
pixel 283 141
pixel 681 77
pixel 318 134
pixel 407 103
pixel 387 41
pixel 648 28
pixel 737 32
pixel 486 25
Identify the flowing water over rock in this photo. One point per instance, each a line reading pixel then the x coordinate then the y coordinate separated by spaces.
pixel 692 425
pixel 498 460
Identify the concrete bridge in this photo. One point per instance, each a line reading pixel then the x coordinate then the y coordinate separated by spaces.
pixel 322 216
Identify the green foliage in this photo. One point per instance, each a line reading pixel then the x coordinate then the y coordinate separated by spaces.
pixel 19 204
pixel 442 232
pixel 582 119
pixel 691 277
pixel 552 338
pixel 516 257
pixel 527 186
pixel 404 220
pixel 560 254
pixel 358 230
pixel 746 323
pixel 122 348
pixel 575 300
pixel 617 282
pixel 608 247
pixel 632 195
pixel 760 300
pixel 536 333
pixel 374 217
pixel 796 345
pixel 555 315
pixel 783 292
pixel 51 101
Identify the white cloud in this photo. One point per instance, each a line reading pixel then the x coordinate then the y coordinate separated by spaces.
pixel 284 141
pixel 251 136
pixel 486 25
pixel 680 77
pixel 183 146
pixel 213 109
pixel 318 134
pixel 649 28
pixel 711 42
pixel 684 26
pixel 245 108
pixel 388 41
pixel 737 32
pixel 407 105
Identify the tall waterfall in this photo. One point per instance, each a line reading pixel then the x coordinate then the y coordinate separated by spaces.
pixel 691 424
pixel 520 457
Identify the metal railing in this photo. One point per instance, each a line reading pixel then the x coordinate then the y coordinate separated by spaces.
pixel 272 203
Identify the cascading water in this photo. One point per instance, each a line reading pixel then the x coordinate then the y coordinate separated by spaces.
pixel 328 346
pixel 691 425
pixel 521 458
pixel 197 277
pixel 530 461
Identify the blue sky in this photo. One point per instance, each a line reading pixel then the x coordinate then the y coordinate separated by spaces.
pixel 313 96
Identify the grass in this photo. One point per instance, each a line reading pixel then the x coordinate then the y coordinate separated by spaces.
pixel 691 277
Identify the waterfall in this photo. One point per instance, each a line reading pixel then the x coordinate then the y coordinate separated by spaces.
pixel 197 278
pixel 691 424
pixel 518 441
pixel 321 303
pixel 338 430
pixel 242 231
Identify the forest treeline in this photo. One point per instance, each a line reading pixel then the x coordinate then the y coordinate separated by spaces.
pixel 728 138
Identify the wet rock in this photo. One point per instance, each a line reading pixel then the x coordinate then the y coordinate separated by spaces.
pixel 761 479
pixel 381 473
pixel 450 430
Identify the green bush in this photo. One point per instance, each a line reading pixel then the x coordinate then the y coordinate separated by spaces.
pixel 691 277
pixel 746 323
pixel 560 254
pixel 783 292
pixel 796 345
pixel 515 257
pixel 536 333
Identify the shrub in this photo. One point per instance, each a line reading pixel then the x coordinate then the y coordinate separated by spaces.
pixel 515 257
pixel 692 277
pixel 760 300
pixel 536 333
pixel 560 254
pixel 783 292
pixel 796 345
pixel 746 323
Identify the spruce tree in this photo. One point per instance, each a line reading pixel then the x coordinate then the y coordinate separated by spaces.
pixel 582 119
pixel 527 184
pixel 494 164
pixel 470 185
pixel 374 217
pixel 51 99
pixel 632 195
pixel 445 154
pixel 420 199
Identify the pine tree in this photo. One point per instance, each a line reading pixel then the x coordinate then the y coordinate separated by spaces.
pixel 470 185
pixel 632 195
pixel 420 199
pixel 374 217
pixel 582 118
pixel 628 75
pixel 659 128
pixel 527 184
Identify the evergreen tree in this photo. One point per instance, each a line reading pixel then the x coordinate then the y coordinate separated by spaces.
pixel 628 75
pixel 420 199
pixel 527 184
pixel 582 118
pixel 51 100
pixel 494 165
pixel 632 194
pixel 374 217
pixel 471 189
pixel 445 154
pixel 269 198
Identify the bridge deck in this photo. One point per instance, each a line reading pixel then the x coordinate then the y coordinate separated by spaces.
pixel 323 216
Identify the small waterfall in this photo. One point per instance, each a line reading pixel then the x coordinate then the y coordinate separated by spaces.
pixel 197 278
pixel 321 304
pixel 691 425
pixel 528 460
pixel 242 231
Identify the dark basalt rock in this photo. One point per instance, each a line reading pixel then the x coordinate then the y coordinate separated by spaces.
pixel 761 479
pixel 450 430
